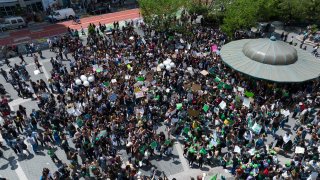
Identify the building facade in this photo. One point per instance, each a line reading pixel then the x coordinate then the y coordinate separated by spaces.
pixel 12 7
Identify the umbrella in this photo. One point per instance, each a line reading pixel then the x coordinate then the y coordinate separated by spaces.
pixel 271 60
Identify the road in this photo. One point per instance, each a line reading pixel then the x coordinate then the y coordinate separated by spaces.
pixel 28 34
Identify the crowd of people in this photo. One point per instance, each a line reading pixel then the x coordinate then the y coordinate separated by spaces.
pixel 117 94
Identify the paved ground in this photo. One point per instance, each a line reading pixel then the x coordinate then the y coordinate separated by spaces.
pixel 30 166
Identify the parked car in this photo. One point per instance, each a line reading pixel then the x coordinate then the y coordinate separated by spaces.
pixel 62 14
pixel 16 22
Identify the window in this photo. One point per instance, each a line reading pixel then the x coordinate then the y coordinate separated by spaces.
pixel 13 21
pixel 7 11
pixel 20 21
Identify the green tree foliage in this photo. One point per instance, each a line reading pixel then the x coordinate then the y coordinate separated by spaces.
pixel 243 14
pixel 162 13
pixel 240 14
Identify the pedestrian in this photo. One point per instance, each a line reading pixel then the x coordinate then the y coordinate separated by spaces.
pixel 4 74
pixel 22 59
pixel 7 62
pixel 31 140
pixel 53 156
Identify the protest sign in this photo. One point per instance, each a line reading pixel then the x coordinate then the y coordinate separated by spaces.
pixel 256 128
pixel 237 149
pixel 204 72
pixel 299 150
pixel 193 112
pixel 246 102
pixel 249 94
pixel 205 108
pixel 222 105
pixel 139 94
pixel 196 87
pixel 214 48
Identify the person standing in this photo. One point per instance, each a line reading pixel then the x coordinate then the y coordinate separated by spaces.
pixel 6 60
pixel 53 156
pixel 31 140
pixel 22 59
pixel 4 74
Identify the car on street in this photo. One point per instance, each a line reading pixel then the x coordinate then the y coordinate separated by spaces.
pixel 16 22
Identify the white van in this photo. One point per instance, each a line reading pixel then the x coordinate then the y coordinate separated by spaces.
pixel 16 22
pixel 62 14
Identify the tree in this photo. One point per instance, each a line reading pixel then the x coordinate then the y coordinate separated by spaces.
pixel 162 13
pixel 240 14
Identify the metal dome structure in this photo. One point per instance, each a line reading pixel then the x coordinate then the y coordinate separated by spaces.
pixel 270 52
pixel 271 60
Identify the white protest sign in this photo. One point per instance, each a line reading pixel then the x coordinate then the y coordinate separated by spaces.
pixel 222 105
pixel 237 149
pixel 256 128
pixel 299 150
pixel 246 102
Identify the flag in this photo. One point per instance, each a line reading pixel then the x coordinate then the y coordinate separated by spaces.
pixel 217 79
pixel 249 94
pixel 214 177
pixel 140 78
pixel 205 108
pixel 179 106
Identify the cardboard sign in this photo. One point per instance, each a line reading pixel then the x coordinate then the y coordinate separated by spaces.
pixel 204 72
pixel 193 113
pixel 187 86
pixel 196 87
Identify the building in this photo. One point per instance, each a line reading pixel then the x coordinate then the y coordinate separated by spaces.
pixel 12 7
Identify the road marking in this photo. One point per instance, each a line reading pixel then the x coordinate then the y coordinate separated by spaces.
pixel 17 102
pixel 19 171
pixel 183 160
pixel 44 71
pixel 24 39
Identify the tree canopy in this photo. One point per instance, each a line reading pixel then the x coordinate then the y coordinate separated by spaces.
pixel 241 14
